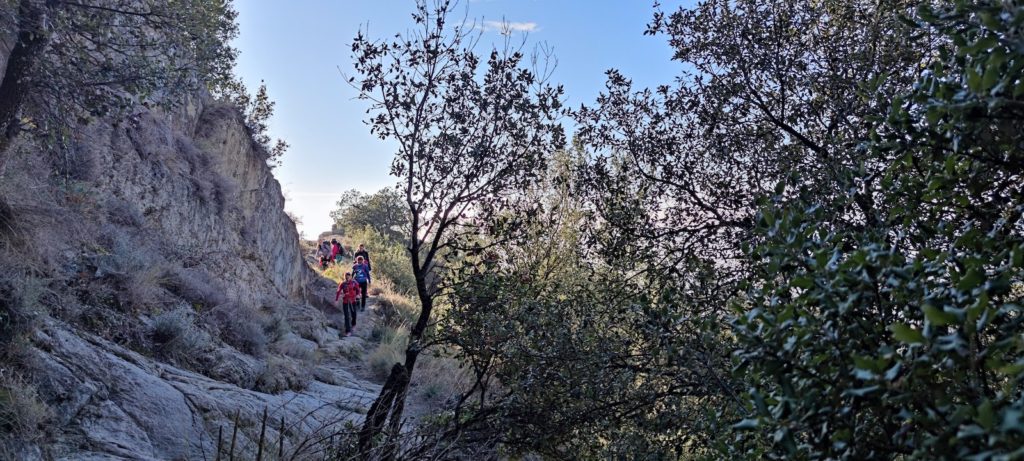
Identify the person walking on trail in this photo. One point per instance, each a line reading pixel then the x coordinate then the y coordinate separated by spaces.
pixel 323 252
pixel 348 291
pixel 336 251
pixel 361 273
pixel 366 256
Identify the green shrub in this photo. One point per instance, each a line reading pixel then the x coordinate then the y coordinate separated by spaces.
pixel 902 337
pixel 337 272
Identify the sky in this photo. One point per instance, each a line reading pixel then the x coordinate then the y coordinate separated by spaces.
pixel 301 49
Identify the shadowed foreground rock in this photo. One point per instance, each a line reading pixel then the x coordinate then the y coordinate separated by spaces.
pixel 116 402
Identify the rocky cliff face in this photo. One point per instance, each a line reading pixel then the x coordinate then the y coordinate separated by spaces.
pixel 156 294
pixel 197 179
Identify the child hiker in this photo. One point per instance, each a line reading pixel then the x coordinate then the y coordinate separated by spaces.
pixel 361 273
pixel 348 291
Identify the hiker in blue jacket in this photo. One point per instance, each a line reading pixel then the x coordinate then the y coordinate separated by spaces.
pixel 361 274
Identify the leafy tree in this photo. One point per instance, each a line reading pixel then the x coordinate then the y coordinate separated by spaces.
pixel 671 189
pixel 558 346
pixel 768 93
pixel 878 306
pixel 468 139
pixel 81 59
pixel 257 110
pixel 384 211
pixel 904 337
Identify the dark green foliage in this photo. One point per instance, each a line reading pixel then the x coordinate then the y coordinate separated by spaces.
pixel 904 336
pixel 830 209
pixel 76 60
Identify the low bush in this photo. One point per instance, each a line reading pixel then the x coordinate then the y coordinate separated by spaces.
pixel 9 228
pixel 276 326
pixel 176 337
pixel 244 328
pixel 135 264
pixel 79 162
pixel 297 351
pixel 282 374
pixel 22 413
pixel 195 286
pixel 123 212
pixel 143 287
pixel 20 305
pixel 225 190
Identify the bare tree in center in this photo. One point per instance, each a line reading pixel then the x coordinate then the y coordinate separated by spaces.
pixel 470 135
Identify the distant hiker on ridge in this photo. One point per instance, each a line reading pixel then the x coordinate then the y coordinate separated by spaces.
pixel 349 291
pixel 361 273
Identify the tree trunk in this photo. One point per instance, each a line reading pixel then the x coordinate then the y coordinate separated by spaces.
pixel 390 404
pixel 30 42
pixel 394 388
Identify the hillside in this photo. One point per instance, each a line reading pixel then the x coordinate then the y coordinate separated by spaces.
pixel 153 294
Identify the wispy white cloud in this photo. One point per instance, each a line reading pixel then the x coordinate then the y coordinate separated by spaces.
pixel 506 27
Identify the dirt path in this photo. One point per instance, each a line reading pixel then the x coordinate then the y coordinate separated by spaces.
pixel 351 354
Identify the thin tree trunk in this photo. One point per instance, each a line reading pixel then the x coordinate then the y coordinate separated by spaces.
pixel 30 42
pixel 390 404
pixel 394 387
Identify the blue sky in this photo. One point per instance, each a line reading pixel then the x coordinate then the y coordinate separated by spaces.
pixel 300 47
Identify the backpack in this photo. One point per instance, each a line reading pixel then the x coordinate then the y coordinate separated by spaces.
pixel 360 273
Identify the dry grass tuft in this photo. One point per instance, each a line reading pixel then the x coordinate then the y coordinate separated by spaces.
pixel 176 337
pixel 282 374
pixel 438 378
pixel 195 286
pixel 123 212
pixel 390 349
pixel 22 413
pixel 241 327
pixel 395 309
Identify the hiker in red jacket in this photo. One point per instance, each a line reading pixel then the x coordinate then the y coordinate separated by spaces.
pixel 336 251
pixel 350 289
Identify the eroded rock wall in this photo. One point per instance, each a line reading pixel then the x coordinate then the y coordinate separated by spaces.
pixel 196 177
pixel 162 290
